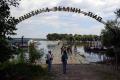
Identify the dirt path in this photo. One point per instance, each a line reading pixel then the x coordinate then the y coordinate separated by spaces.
pixel 75 72
pixel 84 72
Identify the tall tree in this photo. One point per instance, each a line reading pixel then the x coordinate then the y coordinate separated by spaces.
pixel 111 35
pixel 7 28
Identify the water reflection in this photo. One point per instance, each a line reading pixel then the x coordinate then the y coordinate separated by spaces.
pixel 90 56
pixel 47 45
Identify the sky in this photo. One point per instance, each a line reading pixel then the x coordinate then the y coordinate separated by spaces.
pixel 40 25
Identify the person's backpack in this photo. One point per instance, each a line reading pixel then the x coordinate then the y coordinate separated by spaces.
pixel 46 61
pixel 51 58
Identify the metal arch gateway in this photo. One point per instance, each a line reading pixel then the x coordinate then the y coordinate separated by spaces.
pixel 59 8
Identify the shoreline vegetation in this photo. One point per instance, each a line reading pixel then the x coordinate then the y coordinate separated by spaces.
pixel 15 72
pixel 25 71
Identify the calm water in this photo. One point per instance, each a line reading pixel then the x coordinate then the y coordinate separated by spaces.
pixel 91 57
pixel 46 46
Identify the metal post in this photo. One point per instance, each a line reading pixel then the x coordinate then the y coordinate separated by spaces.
pixel 22 53
pixel 22 41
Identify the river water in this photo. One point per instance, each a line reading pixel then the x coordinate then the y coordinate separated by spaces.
pixel 90 57
pixel 47 45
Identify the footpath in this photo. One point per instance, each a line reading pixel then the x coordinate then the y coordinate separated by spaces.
pixel 75 72
pixel 80 69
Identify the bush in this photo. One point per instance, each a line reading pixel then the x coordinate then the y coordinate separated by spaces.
pixel 21 71
pixel 34 54
pixel 110 53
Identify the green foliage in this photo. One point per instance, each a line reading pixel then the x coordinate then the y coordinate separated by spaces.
pixel 6 51
pixel 7 28
pixel 117 12
pixel 34 54
pixel 21 71
pixel 21 56
pixel 111 34
pixel 70 37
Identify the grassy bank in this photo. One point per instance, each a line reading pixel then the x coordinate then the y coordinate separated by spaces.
pixel 23 72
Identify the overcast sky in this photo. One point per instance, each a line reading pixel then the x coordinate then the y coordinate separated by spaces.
pixel 63 22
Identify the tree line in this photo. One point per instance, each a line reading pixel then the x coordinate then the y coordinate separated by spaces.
pixel 71 37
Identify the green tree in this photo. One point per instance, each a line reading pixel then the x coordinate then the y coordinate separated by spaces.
pixel 77 37
pixel 7 28
pixel 111 36
pixel 34 54
pixel 21 56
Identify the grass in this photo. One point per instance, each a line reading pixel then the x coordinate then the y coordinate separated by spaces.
pixel 23 72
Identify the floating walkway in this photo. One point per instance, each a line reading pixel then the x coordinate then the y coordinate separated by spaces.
pixel 73 58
